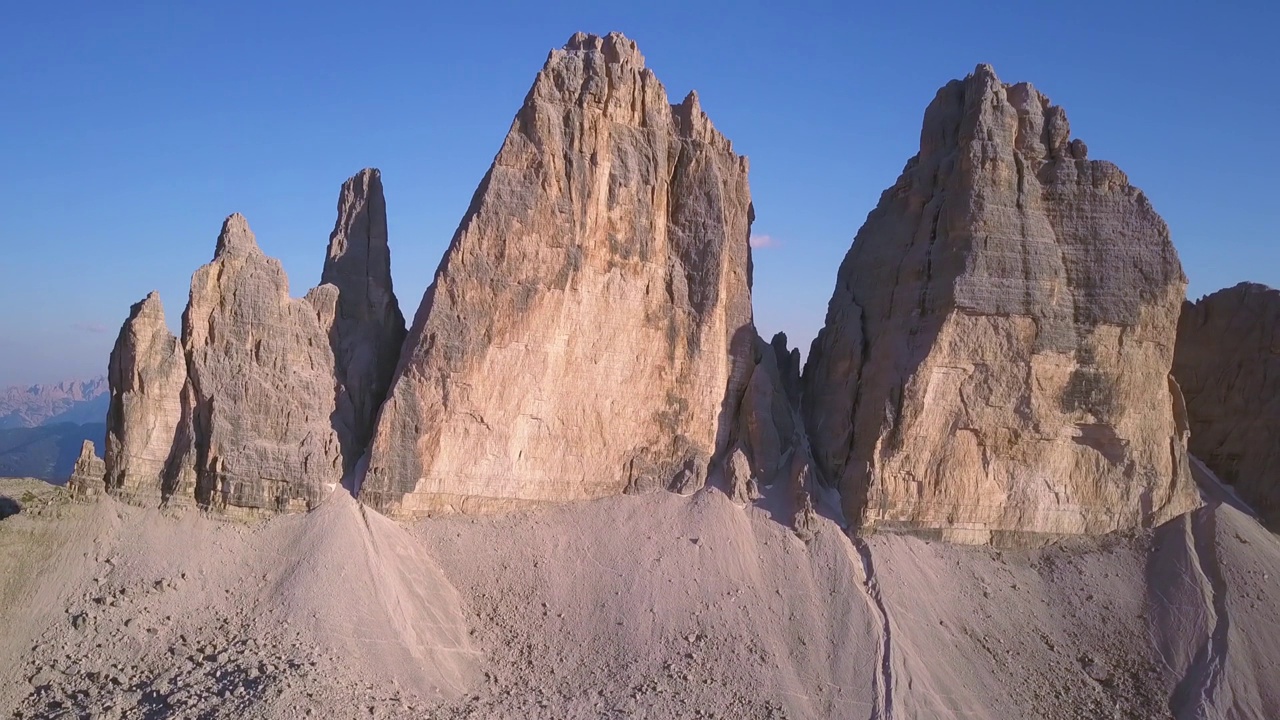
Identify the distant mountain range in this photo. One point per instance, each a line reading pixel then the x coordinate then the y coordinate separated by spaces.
pixel 73 401
pixel 42 426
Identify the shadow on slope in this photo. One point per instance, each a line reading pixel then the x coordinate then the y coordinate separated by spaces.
pixel 1212 586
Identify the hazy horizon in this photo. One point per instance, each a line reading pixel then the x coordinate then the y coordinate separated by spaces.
pixel 147 127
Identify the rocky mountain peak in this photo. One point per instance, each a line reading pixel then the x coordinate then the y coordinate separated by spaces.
pixel 616 48
pixel 236 237
pixel 601 273
pixel 367 329
pixel 1227 365
pixel 976 327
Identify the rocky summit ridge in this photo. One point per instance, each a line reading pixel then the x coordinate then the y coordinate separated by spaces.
pixel 994 367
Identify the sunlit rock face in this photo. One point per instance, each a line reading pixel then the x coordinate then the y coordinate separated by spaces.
pixel 256 433
pixel 146 373
pixel 995 359
pixel 589 329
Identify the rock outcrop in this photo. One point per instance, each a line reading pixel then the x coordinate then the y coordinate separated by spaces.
pixel 86 479
pixel 996 355
pixel 146 373
pixel 740 481
pixel 1227 361
pixel 256 432
pixel 766 419
pixel 589 329
pixel 267 400
pixel 368 328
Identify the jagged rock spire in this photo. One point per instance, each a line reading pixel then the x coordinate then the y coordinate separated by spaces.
pixel 147 371
pixel 368 328
pixel 589 329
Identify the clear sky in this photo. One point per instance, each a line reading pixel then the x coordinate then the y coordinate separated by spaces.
pixel 130 130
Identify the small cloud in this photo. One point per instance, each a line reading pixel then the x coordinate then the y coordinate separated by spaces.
pixel 91 327
pixel 764 241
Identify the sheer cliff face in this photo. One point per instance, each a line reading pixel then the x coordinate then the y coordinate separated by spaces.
pixel 367 329
pixel 256 432
pixel 589 329
pixel 147 371
pixel 1228 364
pixel 996 354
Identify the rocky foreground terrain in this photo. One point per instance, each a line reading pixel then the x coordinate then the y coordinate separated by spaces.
pixel 580 485
pixel 637 606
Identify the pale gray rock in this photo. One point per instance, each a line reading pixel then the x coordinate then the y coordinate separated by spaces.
pixel 367 329
pixel 692 476
pixel 589 329
pixel 146 373
pixel 1228 364
pixel 87 477
pixel 766 419
pixel 995 359
pixel 256 432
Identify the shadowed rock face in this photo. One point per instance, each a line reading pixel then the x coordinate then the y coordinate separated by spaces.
pixel 995 357
pixel 589 329
pixel 147 371
pixel 1228 364
pixel 368 328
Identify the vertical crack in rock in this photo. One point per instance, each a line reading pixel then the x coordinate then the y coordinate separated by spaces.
pixel 999 330
pixel 589 329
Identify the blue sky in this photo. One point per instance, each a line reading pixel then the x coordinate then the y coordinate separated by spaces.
pixel 130 132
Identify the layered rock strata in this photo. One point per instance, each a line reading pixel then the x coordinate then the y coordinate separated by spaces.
pixel 87 475
pixel 995 359
pixel 589 329
pixel 1227 361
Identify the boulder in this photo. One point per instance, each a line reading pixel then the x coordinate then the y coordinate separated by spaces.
pixel 741 482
